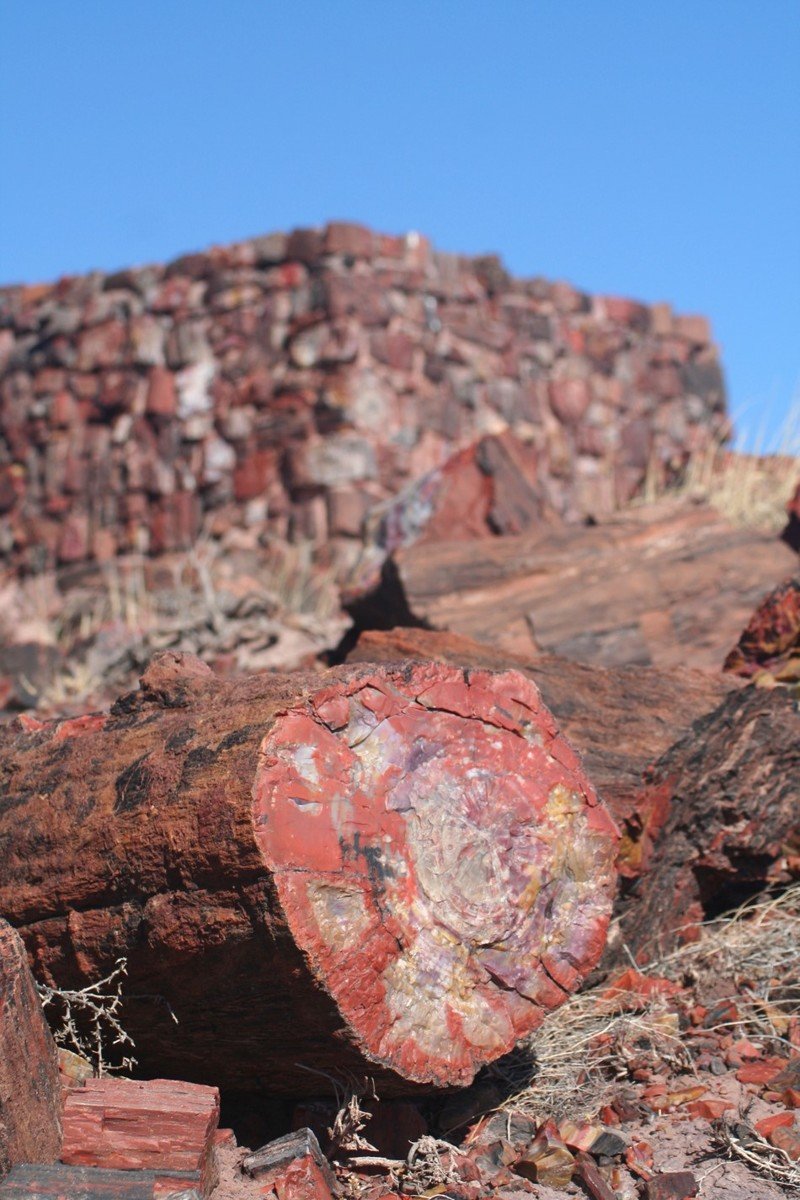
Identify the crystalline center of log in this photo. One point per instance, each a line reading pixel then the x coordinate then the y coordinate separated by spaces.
pixel 440 859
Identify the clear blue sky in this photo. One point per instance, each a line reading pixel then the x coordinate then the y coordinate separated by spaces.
pixel 630 146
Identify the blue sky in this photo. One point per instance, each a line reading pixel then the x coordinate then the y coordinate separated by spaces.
pixel 642 149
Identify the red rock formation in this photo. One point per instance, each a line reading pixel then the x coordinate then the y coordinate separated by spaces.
pixel 770 644
pixel 667 585
pixel 30 1095
pixel 487 489
pixel 299 380
pixel 620 719
pixel 731 789
pixel 391 870
pixel 160 1125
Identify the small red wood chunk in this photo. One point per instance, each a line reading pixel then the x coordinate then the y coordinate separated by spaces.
pixel 292 1167
pixel 160 1125
pixel 771 641
pixel 547 1159
pixel 787 1138
pixel 589 1174
pixel 30 1093
pixel 671 1185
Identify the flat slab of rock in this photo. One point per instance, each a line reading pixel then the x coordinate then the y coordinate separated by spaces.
pixel 60 1182
pixel 664 585
pixel 30 1093
pixel 161 1125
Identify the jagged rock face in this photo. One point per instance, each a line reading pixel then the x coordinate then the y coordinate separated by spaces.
pixel 301 381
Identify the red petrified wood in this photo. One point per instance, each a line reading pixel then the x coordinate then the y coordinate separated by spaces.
pixel 30 1095
pixel 771 642
pixel 292 1168
pixel 730 789
pixel 59 1182
pixel 618 718
pixel 160 1125
pixel 392 869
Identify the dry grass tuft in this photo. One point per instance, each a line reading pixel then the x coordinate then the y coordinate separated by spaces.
pixel 748 489
pixel 741 1141
pixel 757 950
pixel 582 1052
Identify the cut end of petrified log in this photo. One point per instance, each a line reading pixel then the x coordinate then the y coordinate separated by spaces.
pixel 440 858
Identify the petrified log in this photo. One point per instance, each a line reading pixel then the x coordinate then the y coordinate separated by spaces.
pixel 30 1093
pixel 620 719
pixel 391 870
pixel 664 585
pixel 161 1125
pixel 732 791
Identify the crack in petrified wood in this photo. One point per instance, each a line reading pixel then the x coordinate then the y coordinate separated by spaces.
pixel 446 921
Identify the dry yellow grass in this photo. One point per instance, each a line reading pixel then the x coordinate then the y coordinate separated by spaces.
pixel 748 489
pixel 581 1052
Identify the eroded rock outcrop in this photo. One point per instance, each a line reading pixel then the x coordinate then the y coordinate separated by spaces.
pixel 298 381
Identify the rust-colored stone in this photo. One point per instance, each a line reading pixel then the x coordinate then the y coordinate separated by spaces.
pixel 690 582
pixel 771 641
pixel 30 1094
pixel 671 1185
pixel 407 857
pixel 160 1125
pixel 292 1167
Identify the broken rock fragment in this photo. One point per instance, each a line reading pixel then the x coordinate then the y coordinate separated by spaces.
pixel 30 1093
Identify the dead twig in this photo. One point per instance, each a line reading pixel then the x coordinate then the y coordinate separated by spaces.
pixel 89 1017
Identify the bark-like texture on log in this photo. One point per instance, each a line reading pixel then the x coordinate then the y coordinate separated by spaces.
pixel 60 1182
pixel 771 641
pixel 30 1094
pixel 620 719
pixel 398 868
pixel 292 1167
pixel 732 790
pixel 162 1125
